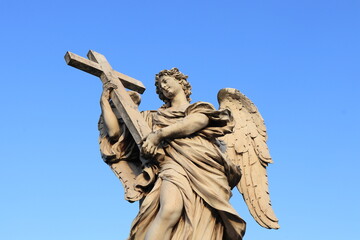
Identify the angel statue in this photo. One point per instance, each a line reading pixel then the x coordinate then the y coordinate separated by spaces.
pixel 195 155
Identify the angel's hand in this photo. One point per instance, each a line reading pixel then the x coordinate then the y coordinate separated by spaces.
pixel 151 143
pixel 105 96
pixel 107 89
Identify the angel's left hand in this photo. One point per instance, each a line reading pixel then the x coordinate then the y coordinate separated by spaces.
pixel 151 143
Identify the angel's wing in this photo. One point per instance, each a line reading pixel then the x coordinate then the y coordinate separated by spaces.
pixel 126 167
pixel 247 148
pixel 123 155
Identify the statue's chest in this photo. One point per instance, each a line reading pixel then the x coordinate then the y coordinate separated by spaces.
pixel 166 118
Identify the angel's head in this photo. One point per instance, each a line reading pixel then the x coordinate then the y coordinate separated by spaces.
pixel 170 80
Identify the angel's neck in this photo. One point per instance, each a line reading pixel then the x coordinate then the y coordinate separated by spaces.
pixel 179 101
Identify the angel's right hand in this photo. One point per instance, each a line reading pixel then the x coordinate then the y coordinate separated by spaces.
pixel 105 96
pixel 107 89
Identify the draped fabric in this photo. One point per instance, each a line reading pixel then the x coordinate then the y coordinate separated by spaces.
pixel 203 175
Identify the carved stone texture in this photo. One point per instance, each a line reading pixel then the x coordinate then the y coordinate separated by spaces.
pixel 195 155
pixel 123 106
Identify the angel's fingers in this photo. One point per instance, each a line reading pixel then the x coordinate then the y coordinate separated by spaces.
pixel 153 150
pixel 145 144
pixel 147 148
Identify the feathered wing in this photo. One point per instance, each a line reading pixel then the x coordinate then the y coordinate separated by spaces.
pixel 126 166
pixel 122 156
pixel 247 148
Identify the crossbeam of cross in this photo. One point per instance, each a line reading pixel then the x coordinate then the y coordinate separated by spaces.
pixel 98 65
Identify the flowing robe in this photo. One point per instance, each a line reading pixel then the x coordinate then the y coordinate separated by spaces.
pixel 198 168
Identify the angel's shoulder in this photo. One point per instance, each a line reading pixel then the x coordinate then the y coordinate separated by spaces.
pixel 148 113
pixel 199 107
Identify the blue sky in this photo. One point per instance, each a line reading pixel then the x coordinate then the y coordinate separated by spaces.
pixel 298 61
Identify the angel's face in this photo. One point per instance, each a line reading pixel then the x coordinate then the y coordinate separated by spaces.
pixel 169 86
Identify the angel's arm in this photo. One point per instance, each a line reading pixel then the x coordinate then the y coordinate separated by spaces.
pixel 110 120
pixel 189 125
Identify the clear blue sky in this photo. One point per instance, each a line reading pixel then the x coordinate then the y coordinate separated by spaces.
pixel 298 61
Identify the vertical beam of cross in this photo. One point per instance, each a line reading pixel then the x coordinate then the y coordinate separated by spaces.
pixel 99 66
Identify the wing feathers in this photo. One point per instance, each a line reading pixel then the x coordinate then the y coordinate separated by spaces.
pixel 262 150
pixel 248 149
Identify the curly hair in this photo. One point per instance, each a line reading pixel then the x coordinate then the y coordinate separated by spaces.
pixel 175 73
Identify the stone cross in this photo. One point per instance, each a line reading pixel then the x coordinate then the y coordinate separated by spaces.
pixel 98 65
